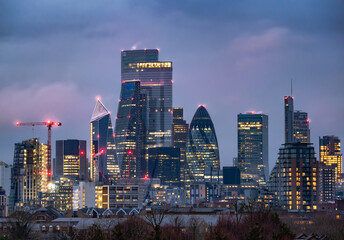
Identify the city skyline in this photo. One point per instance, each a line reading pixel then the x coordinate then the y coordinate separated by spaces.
pixel 261 60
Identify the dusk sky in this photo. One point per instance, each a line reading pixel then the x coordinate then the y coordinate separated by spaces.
pixel 56 57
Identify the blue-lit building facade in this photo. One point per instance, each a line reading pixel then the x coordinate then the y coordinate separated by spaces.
pixel 130 130
pixel 104 166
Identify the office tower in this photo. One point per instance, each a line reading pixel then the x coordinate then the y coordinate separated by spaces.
pixel 29 173
pixel 179 137
pixel 295 178
pixel 3 203
pixel 288 119
pixel 329 154
pixel 231 175
pixel 327 182
pixel 164 163
pixel 130 131
pixel 301 127
pixel 104 166
pixel 253 159
pixel 202 150
pixel 71 161
pixel 156 83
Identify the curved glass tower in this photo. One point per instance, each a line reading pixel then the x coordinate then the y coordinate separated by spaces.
pixel 202 151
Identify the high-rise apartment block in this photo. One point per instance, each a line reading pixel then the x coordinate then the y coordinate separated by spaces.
pixel 329 154
pixel 179 137
pixel 294 181
pixel 327 182
pixel 71 161
pixel 253 160
pixel 104 165
pixel 29 173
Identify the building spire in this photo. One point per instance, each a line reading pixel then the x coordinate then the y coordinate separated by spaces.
pixel 291 87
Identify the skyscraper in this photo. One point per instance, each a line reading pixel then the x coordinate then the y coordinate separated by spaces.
pixel 288 119
pixel 29 173
pixel 104 166
pixel 71 161
pixel 156 83
pixel 295 178
pixel 301 127
pixel 179 137
pixel 130 130
pixel 329 154
pixel 202 150
pixel 164 163
pixel 253 159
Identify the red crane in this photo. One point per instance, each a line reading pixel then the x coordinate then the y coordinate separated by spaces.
pixel 49 124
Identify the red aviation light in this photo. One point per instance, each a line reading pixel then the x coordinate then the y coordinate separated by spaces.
pixel 285 98
pixel 102 151
pixel 98 136
pixel 132 99
pixel 130 152
pixel 82 153
pixel 158 49
pixel 308 120
pixel 49 173
pixel 114 135
pixel 129 116
pixel 116 117
pixel 146 177
pixel 48 121
pixel 119 100
pixel 17 123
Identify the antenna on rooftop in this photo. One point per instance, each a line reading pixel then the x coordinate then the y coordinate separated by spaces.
pixel 291 87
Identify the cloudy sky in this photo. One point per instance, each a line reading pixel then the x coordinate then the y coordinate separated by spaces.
pixel 232 56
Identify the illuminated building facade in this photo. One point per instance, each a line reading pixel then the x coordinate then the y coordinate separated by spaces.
pixel 156 84
pixel 29 173
pixel 253 160
pixel 329 154
pixel 130 131
pixel 301 127
pixel 202 150
pixel 288 119
pixel 104 165
pixel 294 181
pixel 164 163
pixel 327 182
pixel 71 161
pixel 179 138
pixel 127 193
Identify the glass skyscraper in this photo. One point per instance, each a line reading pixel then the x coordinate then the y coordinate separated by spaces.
pixel 130 130
pixel 156 84
pixel 329 154
pixel 288 119
pixel 179 137
pixel 71 160
pixel 301 127
pixel 104 166
pixel 202 151
pixel 253 159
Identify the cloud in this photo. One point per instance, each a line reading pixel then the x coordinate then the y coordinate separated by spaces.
pixel 37 103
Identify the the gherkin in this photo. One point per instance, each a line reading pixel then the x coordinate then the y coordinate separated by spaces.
pixel 202 151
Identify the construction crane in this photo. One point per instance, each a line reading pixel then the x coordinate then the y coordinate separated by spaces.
pixel 49 124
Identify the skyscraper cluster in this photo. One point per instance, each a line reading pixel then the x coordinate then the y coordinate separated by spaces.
pixel 151 153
